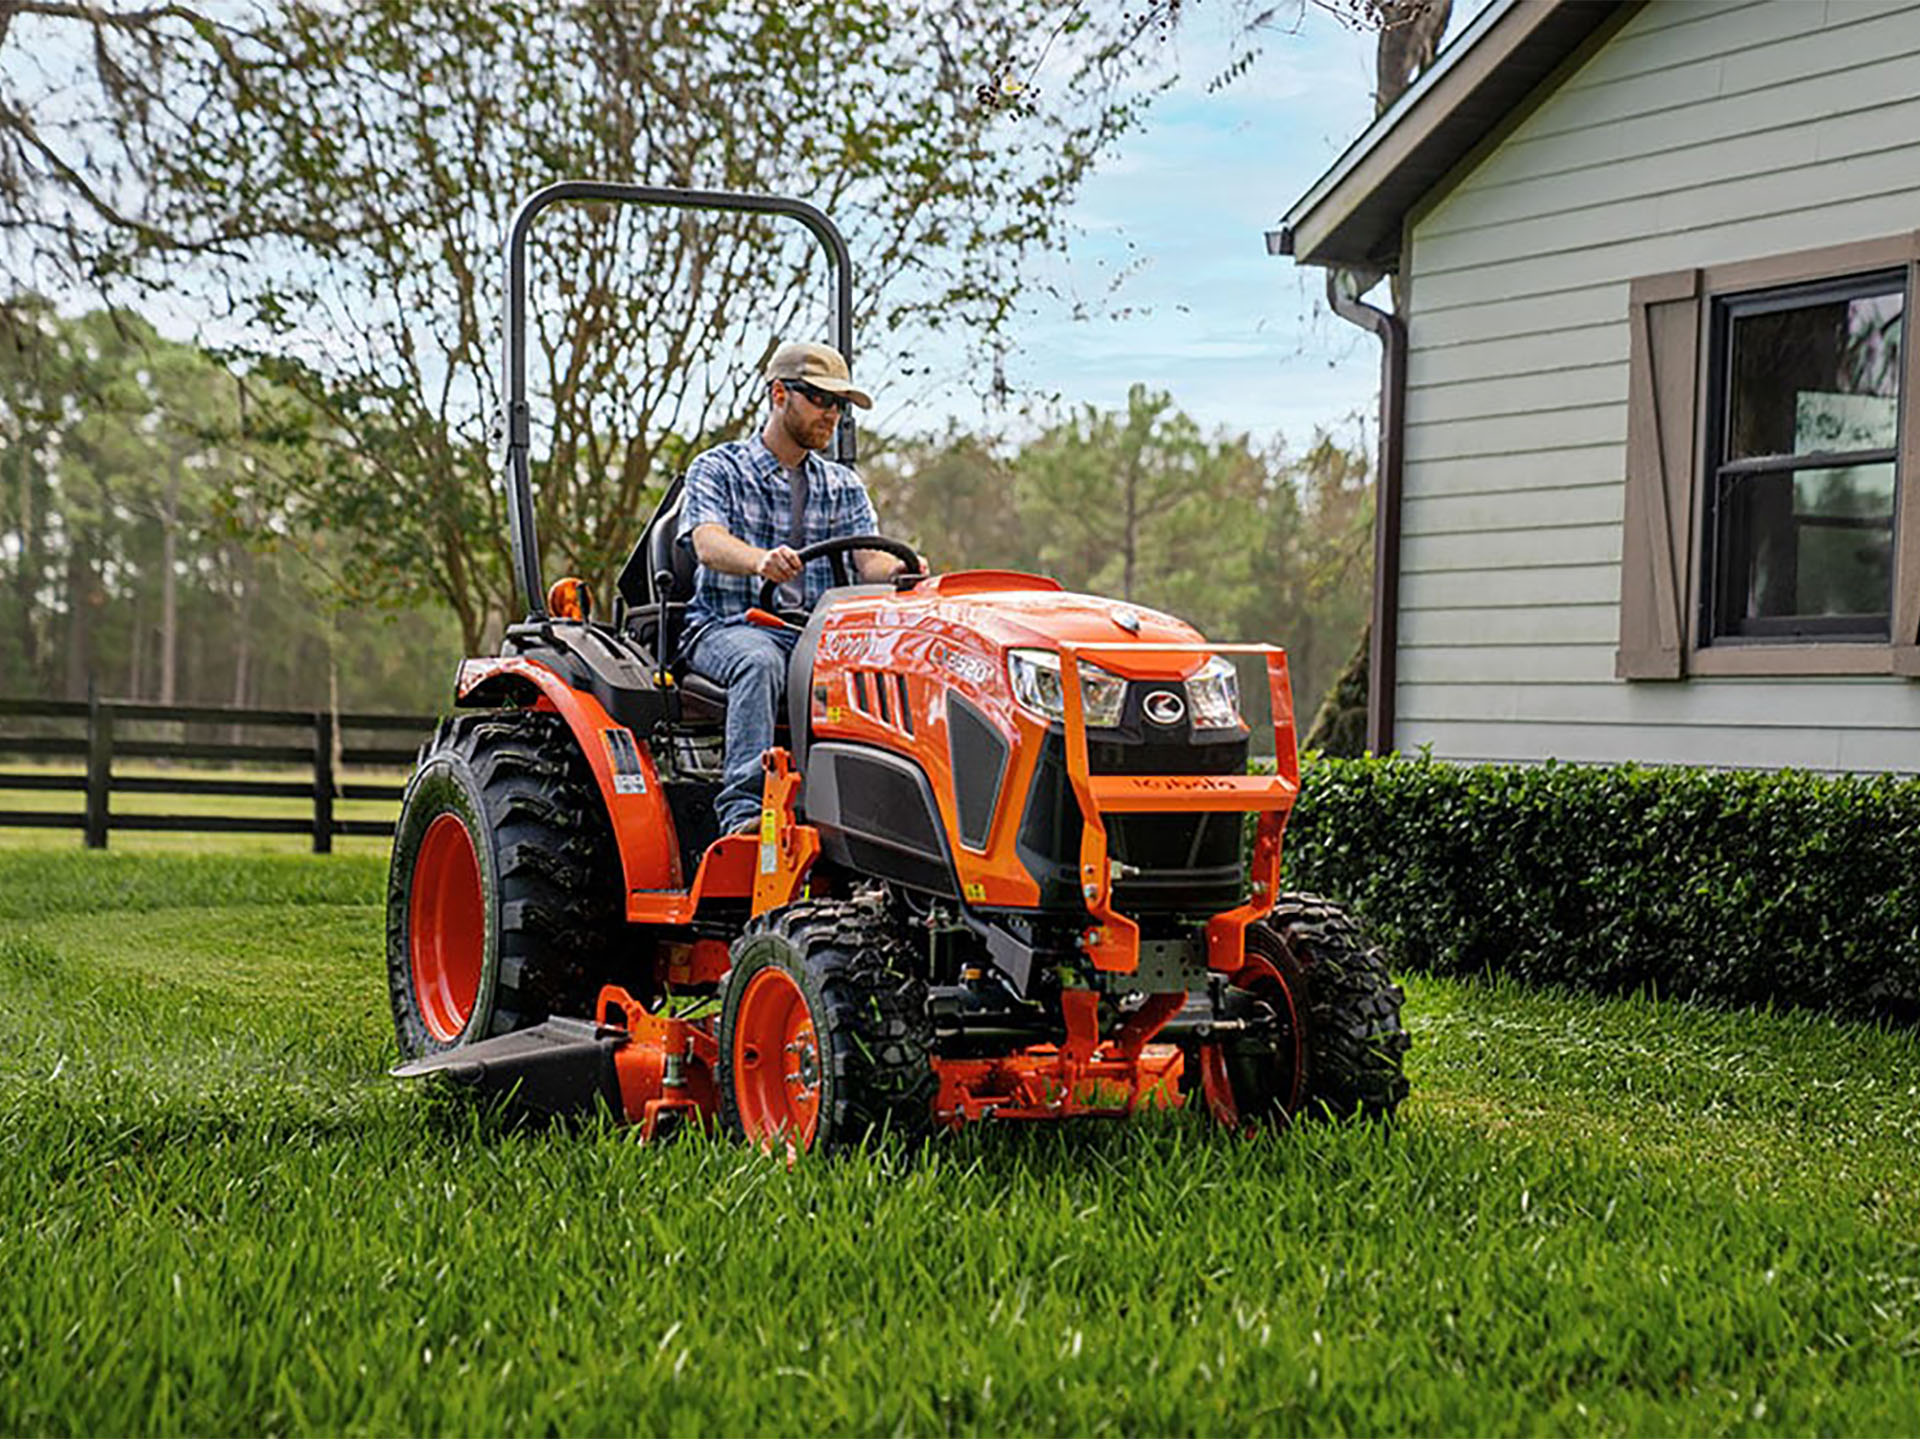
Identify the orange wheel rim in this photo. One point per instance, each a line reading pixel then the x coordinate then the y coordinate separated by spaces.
pixel 1261 977
pixel 446 928
pixel 776 1062
pixel 1269 982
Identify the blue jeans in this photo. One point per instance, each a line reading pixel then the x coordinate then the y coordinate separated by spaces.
pixel 752 664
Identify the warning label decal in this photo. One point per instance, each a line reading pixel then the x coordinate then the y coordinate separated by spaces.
pixel 624 758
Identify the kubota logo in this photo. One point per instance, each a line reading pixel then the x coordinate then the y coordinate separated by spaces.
pixel 1163 707
pixel 1181 782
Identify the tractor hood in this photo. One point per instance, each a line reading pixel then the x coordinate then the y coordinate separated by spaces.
pixel 1005 610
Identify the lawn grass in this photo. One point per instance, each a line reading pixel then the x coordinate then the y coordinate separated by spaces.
pixel 217 1215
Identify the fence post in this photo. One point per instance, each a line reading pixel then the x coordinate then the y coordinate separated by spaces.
pixel 323 782
pixel 99 766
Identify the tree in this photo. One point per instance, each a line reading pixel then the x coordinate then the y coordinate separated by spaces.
pixel 32 348
pixel 340 175
pixel 91 100
pixel 122 475
pixel 954 498
pixel 1316 569
pixel 1140 505
pixel 381 147
pixel 1247 544
pixel 122 450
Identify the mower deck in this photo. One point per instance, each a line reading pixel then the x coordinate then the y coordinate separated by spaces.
pixel 657 1071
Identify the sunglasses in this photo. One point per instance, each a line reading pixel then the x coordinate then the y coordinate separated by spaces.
pixel 820 399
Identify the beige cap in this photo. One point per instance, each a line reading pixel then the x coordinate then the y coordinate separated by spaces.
pixel 821 366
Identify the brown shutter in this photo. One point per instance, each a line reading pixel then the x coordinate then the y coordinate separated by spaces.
pixel 1906 510
pixel 1664 354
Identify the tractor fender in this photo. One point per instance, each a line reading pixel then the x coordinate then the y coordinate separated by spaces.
pixel 622 764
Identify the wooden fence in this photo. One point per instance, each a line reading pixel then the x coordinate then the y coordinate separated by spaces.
pixel 98 731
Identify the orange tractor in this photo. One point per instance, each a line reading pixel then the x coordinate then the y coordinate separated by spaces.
pixel 1000 870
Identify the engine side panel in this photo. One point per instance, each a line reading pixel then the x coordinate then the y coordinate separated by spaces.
pixel 876 815
pixel 888 677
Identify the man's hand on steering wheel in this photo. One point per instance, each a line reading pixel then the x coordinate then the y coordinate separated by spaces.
pixel 779 564
pixel 835 553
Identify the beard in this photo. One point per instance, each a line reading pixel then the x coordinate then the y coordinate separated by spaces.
pixel 809 431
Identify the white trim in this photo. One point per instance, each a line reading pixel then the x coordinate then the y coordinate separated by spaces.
pixel 1355 154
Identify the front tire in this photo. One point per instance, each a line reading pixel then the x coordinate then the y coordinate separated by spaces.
pixel 1336 1048
pixel 823 1042
pixel 502 894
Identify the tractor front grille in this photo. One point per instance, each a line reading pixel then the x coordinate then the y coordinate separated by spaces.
pixel 1188 864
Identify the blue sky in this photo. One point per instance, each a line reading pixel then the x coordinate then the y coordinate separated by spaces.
pixel 1241 339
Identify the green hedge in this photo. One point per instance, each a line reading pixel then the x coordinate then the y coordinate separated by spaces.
pixel 1752 888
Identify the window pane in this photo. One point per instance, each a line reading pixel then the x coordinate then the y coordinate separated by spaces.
pixel 1816 378
pixel 1813 546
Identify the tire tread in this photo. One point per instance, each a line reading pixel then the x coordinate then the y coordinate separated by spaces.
pixel 1356 1042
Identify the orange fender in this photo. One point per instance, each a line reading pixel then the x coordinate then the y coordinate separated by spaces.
pixel 622 765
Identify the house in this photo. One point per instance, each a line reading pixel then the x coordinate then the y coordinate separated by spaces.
pixel 1650 463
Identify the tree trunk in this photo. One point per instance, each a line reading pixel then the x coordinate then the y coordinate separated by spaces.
pixel 1410 32
pixel 81 601
pixel 26 580
pixel 1340 727
pixel 136 649
pixel 242 565
pixel 169 588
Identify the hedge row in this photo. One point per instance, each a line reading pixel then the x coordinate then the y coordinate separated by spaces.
pixel 1780 889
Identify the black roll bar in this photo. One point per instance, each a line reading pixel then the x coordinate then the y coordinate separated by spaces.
pixel 514 413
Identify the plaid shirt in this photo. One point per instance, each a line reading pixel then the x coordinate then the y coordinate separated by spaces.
pixel 741 487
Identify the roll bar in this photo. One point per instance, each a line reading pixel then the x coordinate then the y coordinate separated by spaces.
pixel 514 414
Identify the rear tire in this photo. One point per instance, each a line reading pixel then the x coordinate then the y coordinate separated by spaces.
pixel 1310 964
pixel 503 892
pixel 823 1043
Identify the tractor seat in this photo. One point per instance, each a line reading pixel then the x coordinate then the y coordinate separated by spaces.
pixel 701 698
pixel 657 570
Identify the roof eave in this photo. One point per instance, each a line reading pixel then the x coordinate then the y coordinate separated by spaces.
pixel 1353 215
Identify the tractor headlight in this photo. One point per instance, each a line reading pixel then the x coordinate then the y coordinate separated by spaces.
pixel 1213 695
pixel 1036 685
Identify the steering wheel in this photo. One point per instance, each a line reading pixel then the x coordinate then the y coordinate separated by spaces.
pixel 835 552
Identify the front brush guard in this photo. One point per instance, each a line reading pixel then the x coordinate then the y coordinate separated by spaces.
pixel 1112 941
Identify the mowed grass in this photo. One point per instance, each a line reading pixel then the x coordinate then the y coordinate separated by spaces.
pixel 217 1215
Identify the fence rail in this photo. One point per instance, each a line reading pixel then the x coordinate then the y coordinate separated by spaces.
pixel 319 746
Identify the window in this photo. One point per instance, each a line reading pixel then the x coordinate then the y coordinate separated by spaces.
pixel 1773 490
pixel 1807 402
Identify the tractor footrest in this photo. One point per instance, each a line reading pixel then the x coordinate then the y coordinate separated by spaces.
pixel 559 1067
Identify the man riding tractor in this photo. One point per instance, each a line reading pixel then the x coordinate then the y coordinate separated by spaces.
pixel 751 506
pixel 999 869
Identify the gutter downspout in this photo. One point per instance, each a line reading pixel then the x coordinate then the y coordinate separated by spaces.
pixel 1384 648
